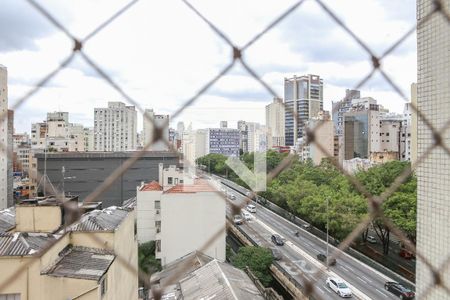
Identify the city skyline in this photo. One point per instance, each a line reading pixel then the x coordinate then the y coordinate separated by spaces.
pixel 151 80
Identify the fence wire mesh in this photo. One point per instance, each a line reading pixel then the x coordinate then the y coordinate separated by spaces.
pixel 374 202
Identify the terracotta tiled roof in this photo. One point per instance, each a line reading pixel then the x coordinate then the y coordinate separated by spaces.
pixel 200 185
pixel 152 186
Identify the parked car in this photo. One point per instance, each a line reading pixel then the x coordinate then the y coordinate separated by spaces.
pixel 251 208
pixel 238 220
pixel 323 258
pixel 339 287
pixel 399 290
pixel 276 254
pixel 247 216
pixel 277 240
pixel 232 197
pixel 406 254
pixel 306 226
pixel 371 239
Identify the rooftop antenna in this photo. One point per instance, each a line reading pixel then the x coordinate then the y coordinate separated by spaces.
pixel 44 177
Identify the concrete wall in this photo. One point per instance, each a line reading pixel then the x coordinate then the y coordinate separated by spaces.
pixel 146 215
pixel 92 168
pixel 31 218
pixel 188 221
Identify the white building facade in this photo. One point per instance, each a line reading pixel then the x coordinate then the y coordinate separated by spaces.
pixel 223 141
pixel 433 174
pixel 115 127
pixel 4 138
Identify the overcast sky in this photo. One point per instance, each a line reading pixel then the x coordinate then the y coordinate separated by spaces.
pixel 161 53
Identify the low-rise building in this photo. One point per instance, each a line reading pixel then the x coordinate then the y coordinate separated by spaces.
pixel 94 258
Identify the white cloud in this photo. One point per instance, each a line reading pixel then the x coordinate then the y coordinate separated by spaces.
pixel 161 53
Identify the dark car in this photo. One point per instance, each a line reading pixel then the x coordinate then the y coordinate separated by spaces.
pixel 399 290
pixel 277 240
pixel 323 258
pixel 276 254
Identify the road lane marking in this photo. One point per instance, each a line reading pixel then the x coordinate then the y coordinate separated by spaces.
pixel 361 279
pixel 366 278
pixel 340 266
pixel 381 293
pixel 359 294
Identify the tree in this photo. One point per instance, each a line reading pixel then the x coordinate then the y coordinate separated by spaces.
pixel 258 259
pixel 146 259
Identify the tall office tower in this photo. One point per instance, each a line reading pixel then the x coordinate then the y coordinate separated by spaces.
pixel 243 136
pixel 275 115
pixel 433 174
pixel 115 127
pixel 3 137
pixel 303 98
pixel 160 121
pixel 342 106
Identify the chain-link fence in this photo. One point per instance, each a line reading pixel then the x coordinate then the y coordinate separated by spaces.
pixel 439 10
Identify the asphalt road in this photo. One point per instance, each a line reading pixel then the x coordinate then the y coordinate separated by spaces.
pixel 299 256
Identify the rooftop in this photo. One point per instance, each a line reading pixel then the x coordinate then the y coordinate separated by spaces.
pixel 107 219
pixel 24 243
pixel 200 185
pixel 48 200
pixel 7 219
pixel 129 204
pixel 219 281
pixel 151 186
pixel 81 263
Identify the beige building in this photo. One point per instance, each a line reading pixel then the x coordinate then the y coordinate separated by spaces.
pixel 275 123
pixel 433 174
pixel 413 126
pixel 44 261
pixel 193 145
pixel 323 129
pixel 161 121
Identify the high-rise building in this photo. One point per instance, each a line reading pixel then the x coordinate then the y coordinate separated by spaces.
pixel 115 127
pixel 413 123
pixel 433 188
pixel 222 141
pixel 243 136
pixel 303 99
pixel 57 134
pixel 275 115
pixel 160 121
pixel 340 107
pixel 323 130
pixel 3 138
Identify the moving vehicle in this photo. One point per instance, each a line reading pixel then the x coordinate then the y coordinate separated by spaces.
pixel 399 290
pixel 247 216
pixel 276 254
pixel 306 226
pixel 277 240
pixel 251 208
pixel 232 197
pixel 323 258
pixel 371 239
pixel 339 287
pixel 406 254
pixel 238 220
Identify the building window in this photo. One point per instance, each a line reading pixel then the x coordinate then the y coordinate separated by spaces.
pixel 169 180
pixel 157 204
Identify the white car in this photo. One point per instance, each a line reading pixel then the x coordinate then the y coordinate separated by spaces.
pixel 251 208
pixel 247 216
pixel 339 286
pixel 371 239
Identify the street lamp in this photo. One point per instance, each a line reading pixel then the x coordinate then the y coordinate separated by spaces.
pixel 328 200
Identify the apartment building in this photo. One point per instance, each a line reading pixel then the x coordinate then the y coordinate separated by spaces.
pixel 161 122
pixel 433 189
pixel 182 217
pixel 275 116
pixel 322 126
pixel 80 262
pixel 193 145
pixel 223 141
pixel 303 99
pixel 4 193
pixel 115 127
pixel 57 134
pixel 243 136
